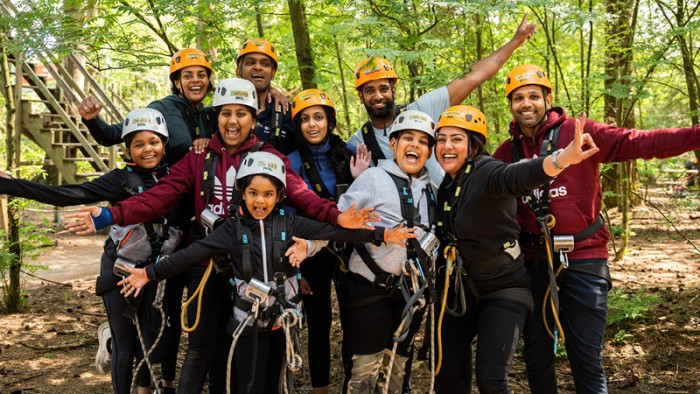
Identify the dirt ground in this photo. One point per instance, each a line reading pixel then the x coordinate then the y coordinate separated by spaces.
pixel 50 348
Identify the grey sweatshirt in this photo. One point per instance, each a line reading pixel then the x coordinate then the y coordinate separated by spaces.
pixel 375 188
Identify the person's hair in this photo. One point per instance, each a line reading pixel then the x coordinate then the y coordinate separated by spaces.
pixel 477 144
pixel 330 116
pixel 176 76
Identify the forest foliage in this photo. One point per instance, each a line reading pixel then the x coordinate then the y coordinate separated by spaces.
pixel 430 42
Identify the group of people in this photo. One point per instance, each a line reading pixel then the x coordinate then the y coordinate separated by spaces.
pixel 424 226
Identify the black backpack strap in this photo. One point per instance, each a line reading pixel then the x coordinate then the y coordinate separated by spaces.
pixel 209 176
pixel 134 183
pixel 246 237
pixel 279 243
pixel 311 170
pixel 382 278
pixel 538 204
pixel 371 141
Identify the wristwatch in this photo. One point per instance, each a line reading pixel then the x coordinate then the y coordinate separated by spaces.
pixel 555 162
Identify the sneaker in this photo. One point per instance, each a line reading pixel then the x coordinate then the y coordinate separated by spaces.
pixel 104 351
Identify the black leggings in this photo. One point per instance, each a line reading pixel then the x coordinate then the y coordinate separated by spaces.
pixel 125 343
pixel 372 317
pixel 318 272
pixel 207 346
pixel 269 358
pixel 498 325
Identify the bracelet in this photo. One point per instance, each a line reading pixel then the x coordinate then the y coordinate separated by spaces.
pixel 555 162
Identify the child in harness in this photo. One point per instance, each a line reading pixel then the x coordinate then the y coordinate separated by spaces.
pixel 386 288
pixel 257 240
pixel 145 135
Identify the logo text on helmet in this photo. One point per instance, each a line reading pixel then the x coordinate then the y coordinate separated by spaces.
pixel 267 166
pixel 239 94
pixel 141 121
pixel 523 77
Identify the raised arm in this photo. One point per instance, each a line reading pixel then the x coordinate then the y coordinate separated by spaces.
pixel 487 67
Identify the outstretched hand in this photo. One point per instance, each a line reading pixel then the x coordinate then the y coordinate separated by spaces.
pixel 580 148
pixel 524 31
pixel 133 282
pixel 398 235
pixel 297 252
pixel 353 218
pixel 360 162
pixel 83 224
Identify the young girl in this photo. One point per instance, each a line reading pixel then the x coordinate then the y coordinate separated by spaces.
pixel 328 166
pixel 376 287
pixel 145 135
pixel 210 178
pixel 252 240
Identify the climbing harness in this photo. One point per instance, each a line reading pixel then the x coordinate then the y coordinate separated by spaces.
pixel 284 314
pixel 553 244
pixel 418 272
pixel 370 139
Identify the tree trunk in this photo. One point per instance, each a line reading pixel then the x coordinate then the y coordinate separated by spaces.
pixel 342 83
pixel 479 27
pixel 619 34
pixel 13 296
pixel 302 43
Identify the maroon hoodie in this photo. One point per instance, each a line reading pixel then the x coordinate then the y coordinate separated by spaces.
pixel 576 194
pixel 186 177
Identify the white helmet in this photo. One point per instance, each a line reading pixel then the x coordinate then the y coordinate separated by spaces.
pixel 414 120
pixel 235 91
pixel 264 163
pixel 144 119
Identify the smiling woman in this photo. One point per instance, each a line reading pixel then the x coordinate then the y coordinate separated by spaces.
pixel 190 123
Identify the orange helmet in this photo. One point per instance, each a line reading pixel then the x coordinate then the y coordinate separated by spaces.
pixel 309 98
pixel 258 45
pixel 189 57
pixel 374 68
pixel 526 74
pixel 465 117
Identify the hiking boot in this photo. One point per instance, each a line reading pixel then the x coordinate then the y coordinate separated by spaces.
pixel 104 351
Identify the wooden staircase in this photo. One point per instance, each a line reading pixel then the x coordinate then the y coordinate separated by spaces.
pixel 48 115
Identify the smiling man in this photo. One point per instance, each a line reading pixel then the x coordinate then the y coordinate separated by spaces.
pixel 375 81
pixel 574 199
pixel 258 62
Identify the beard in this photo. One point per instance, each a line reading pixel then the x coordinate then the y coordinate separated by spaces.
pixel 381 113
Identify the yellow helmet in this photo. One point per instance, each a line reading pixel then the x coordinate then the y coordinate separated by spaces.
pixel 259 45
pixel 526 74
pixel 374 68
pixel 309 98
pixel 189 57
pixel 465 117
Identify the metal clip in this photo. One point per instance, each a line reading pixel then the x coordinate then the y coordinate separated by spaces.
pixel 563 244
